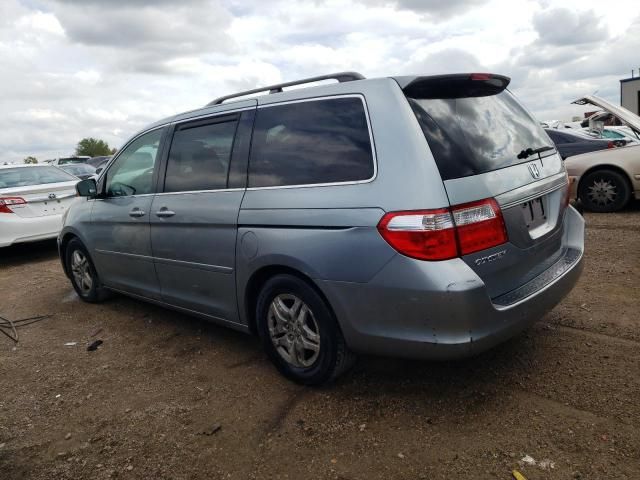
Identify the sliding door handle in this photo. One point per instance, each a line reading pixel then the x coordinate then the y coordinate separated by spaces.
pixel 165 212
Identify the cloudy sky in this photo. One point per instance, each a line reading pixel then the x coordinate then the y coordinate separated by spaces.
pixel 104 68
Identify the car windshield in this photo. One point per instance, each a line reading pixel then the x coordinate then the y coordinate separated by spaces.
pixel 611 134
pixel 66 161
pixel 474 135
pixel 97 161
pixel 26 176
pixel 79 169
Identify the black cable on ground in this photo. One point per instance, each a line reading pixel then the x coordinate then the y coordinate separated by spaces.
pixel 9 328
pixel 13 337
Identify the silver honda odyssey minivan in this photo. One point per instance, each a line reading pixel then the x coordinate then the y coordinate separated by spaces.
pixel 415 216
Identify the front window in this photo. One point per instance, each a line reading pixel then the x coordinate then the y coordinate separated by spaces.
pixel 132 172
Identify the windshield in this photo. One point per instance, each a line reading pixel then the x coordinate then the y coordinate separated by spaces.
pixel 611 134
pixel 474 135
pixel 97 161
pixel 79 169
pixel 25 176
pixel 66 161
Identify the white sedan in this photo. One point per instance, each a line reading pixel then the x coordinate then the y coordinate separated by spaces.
pixel 33 199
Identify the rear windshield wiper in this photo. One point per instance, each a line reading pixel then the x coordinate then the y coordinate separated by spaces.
pixel 531 151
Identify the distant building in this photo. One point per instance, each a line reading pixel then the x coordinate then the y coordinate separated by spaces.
pixel 630 94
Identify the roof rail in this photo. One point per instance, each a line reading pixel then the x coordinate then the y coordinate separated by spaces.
pixel 340 77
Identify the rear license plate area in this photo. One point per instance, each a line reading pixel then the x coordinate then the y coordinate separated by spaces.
pixel 534 212
pixel 51 207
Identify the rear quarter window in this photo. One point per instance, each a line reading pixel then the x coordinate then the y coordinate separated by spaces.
pixel 311 142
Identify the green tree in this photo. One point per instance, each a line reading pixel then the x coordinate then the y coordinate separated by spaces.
pixel 92 147
pixel 30 159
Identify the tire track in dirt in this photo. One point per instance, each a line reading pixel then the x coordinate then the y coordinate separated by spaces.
pixel 599 336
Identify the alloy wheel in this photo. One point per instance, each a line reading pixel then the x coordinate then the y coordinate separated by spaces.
pixel 81 271
pixel 602 192
pixel 293 330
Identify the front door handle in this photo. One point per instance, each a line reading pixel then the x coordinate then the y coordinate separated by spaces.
pixel 136 212
pixel 165 212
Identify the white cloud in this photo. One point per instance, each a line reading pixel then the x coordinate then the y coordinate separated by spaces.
pixel 39 21
pixel 90 77
pixel 42 114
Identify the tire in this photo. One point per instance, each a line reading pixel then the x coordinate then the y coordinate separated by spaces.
pixel 286 297
pixel 604 191
pixel 82 273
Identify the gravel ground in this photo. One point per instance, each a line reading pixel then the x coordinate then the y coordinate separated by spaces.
pixel 169 396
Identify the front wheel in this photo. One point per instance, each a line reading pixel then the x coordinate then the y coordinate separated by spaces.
pixel 604 191
pixel 299 332
pixel 84 277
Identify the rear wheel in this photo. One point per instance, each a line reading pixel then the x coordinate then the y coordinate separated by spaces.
pixel 299 333
pixel 604 191
pixel 84 277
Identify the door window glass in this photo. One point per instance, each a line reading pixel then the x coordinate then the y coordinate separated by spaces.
pixel 199 157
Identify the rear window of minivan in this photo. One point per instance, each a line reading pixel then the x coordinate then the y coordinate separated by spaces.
pixel 311 142
pixel 477 134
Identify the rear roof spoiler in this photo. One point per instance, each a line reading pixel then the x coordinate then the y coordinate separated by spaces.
pixel 457 85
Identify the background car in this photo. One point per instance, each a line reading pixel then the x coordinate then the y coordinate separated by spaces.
pixel 100 163
pixel 97 161
pixel 33 199
pixel 617 133
pixel 605 117
pixel 80 170
pixel 67 160
pixel 605 181
pixel 570 143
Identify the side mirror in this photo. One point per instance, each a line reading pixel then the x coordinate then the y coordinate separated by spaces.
pixel 98 170
pixel 87 188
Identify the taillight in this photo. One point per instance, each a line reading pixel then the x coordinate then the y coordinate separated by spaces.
pixel 422 234
pixel 7 202
pixel 479 226
pixel 610 144
pixel 445 233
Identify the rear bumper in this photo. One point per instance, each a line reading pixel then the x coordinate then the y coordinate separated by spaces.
pixel 16 229
pixel 441 310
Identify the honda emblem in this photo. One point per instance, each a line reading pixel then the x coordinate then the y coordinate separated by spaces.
pixel 534 171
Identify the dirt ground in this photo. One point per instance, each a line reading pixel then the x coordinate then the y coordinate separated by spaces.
pixel 561 401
